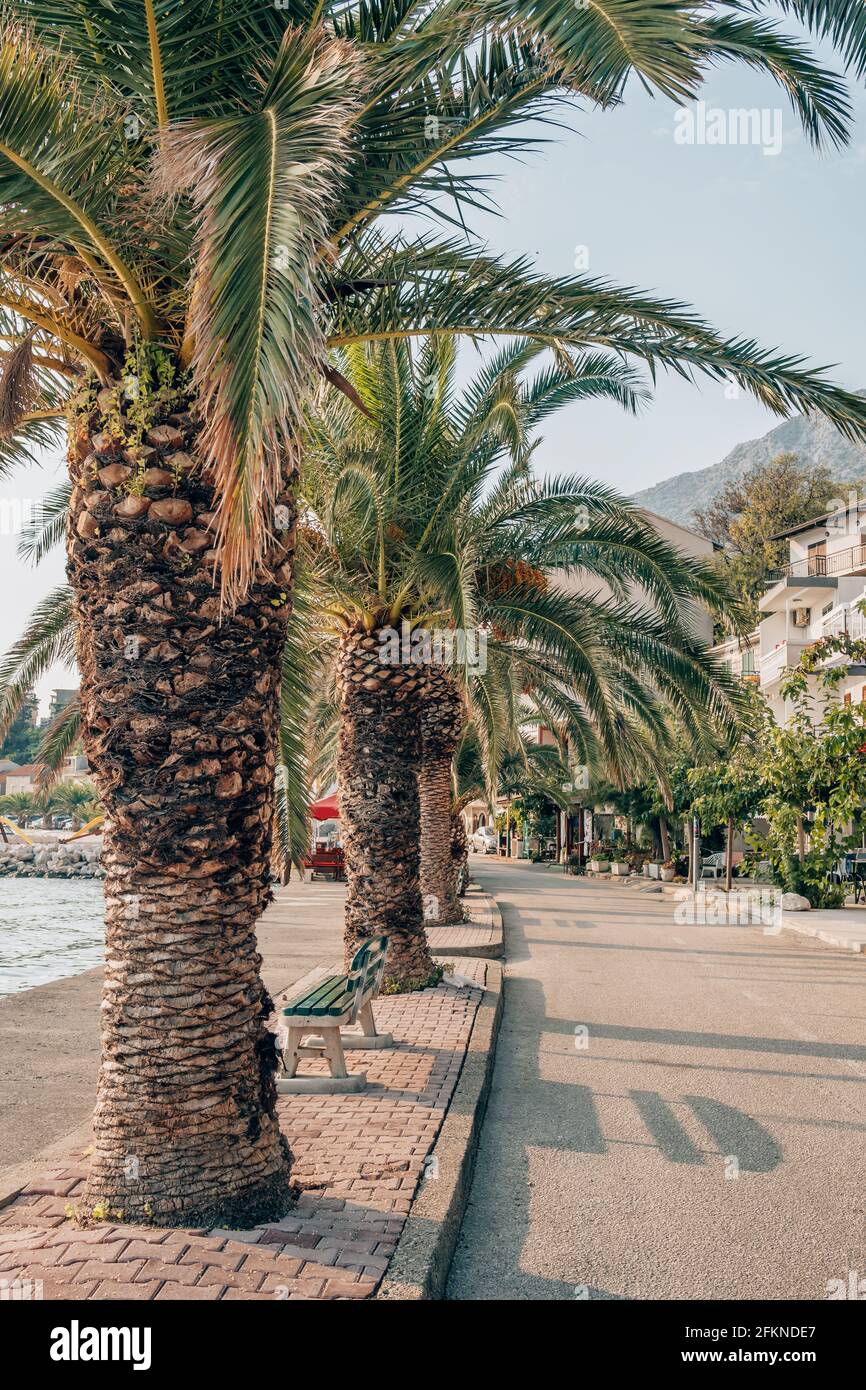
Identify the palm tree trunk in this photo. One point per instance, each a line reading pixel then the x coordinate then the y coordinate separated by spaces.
pixel 379 747
pixel 441 724
pixel 179 720
pixel 459 850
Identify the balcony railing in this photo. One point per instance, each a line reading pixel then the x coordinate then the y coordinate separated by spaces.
pixel 849 620
pixel 839 562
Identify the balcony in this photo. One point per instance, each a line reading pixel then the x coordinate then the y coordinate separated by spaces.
pixel 784 655
pixel 847 619
pixel 818 566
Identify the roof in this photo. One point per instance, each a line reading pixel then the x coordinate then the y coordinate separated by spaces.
pixel 814 521
pixel 28 770
pixel 690 530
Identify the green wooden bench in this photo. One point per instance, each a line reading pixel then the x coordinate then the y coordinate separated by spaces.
pixel 312 1023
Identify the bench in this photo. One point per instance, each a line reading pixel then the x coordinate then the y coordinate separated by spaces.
pixel 312 1023
pixel 326 861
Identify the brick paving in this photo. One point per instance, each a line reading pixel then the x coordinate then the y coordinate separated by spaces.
pixel 482 934
pixel 358 1161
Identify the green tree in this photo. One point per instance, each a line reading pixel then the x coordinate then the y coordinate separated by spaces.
pixel 22 737
pixel 421 510
pixel 752 510
pixel 814 770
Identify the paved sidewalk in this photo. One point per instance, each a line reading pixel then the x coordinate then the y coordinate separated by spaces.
pixel 481 936
pixel 358 1162
pixel 677 1111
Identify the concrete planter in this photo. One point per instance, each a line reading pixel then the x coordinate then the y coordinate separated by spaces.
pixel 666 875
pixel 598 866
pixel 653 870
pixel 621 870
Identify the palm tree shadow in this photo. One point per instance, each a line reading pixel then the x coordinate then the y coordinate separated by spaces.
pixel 527 1112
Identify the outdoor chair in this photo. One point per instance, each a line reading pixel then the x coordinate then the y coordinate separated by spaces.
pixel 712 865
pixel 313 1023
pixel 858 875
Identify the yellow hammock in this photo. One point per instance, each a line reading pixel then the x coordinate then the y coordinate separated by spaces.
pixel 16 829
pixel 85 830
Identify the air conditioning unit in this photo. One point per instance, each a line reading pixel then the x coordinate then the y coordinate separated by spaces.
pixel 802 617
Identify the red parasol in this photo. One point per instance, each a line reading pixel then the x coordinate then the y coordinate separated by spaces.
pixel 328 809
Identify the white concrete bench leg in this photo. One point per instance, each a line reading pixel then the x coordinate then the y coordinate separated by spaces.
pixel 369 1037
pixel 329 1045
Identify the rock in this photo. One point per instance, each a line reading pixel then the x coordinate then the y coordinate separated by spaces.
pixel 795 902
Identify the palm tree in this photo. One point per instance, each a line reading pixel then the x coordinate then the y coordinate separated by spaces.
pixel 19 806
pixel 189 196
pixel 410 542
pixel 76 800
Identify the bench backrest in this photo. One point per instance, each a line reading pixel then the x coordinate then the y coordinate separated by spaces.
pixel 366 971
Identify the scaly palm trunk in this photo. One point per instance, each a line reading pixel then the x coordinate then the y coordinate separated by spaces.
pixel 379 748
pixel 459 849
pixel 441 723
pixel 179 719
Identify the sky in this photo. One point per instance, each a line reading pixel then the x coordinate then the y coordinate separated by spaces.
pixel 768 245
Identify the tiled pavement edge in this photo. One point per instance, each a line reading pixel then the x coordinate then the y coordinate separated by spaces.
pixel 358 1161
pixel 419 1268
pixel 482 936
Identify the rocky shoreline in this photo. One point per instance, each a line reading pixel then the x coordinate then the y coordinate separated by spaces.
pixel 50 861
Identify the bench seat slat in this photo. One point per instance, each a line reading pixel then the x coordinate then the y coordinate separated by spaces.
pixel 326 997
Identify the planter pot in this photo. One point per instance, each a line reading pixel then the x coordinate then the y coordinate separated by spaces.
pixel 645 870
pixel 667 875
pixel 653 870
pixel 308 875
pixel 621 870
pixel 599 866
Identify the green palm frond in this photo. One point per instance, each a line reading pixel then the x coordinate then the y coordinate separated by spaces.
pixel 48 529
pixel 49 637
pixel 57 742
pixel 412 290
pixel 262 182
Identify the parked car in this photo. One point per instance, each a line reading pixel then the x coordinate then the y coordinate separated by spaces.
pixel 484 840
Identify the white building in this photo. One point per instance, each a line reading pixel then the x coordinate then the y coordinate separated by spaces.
pixel 814 596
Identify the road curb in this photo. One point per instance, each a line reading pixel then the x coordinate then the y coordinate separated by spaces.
pixel 485 913
pixel 420 1264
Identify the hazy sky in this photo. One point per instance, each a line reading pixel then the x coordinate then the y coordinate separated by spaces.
pixel 764 245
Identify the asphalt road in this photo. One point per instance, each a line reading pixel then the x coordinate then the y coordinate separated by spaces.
pixel 49 1036
pixel 677 1111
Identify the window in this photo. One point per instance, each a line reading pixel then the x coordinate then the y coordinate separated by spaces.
pixel 747 665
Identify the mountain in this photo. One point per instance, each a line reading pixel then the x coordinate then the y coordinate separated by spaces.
pixel 813 439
